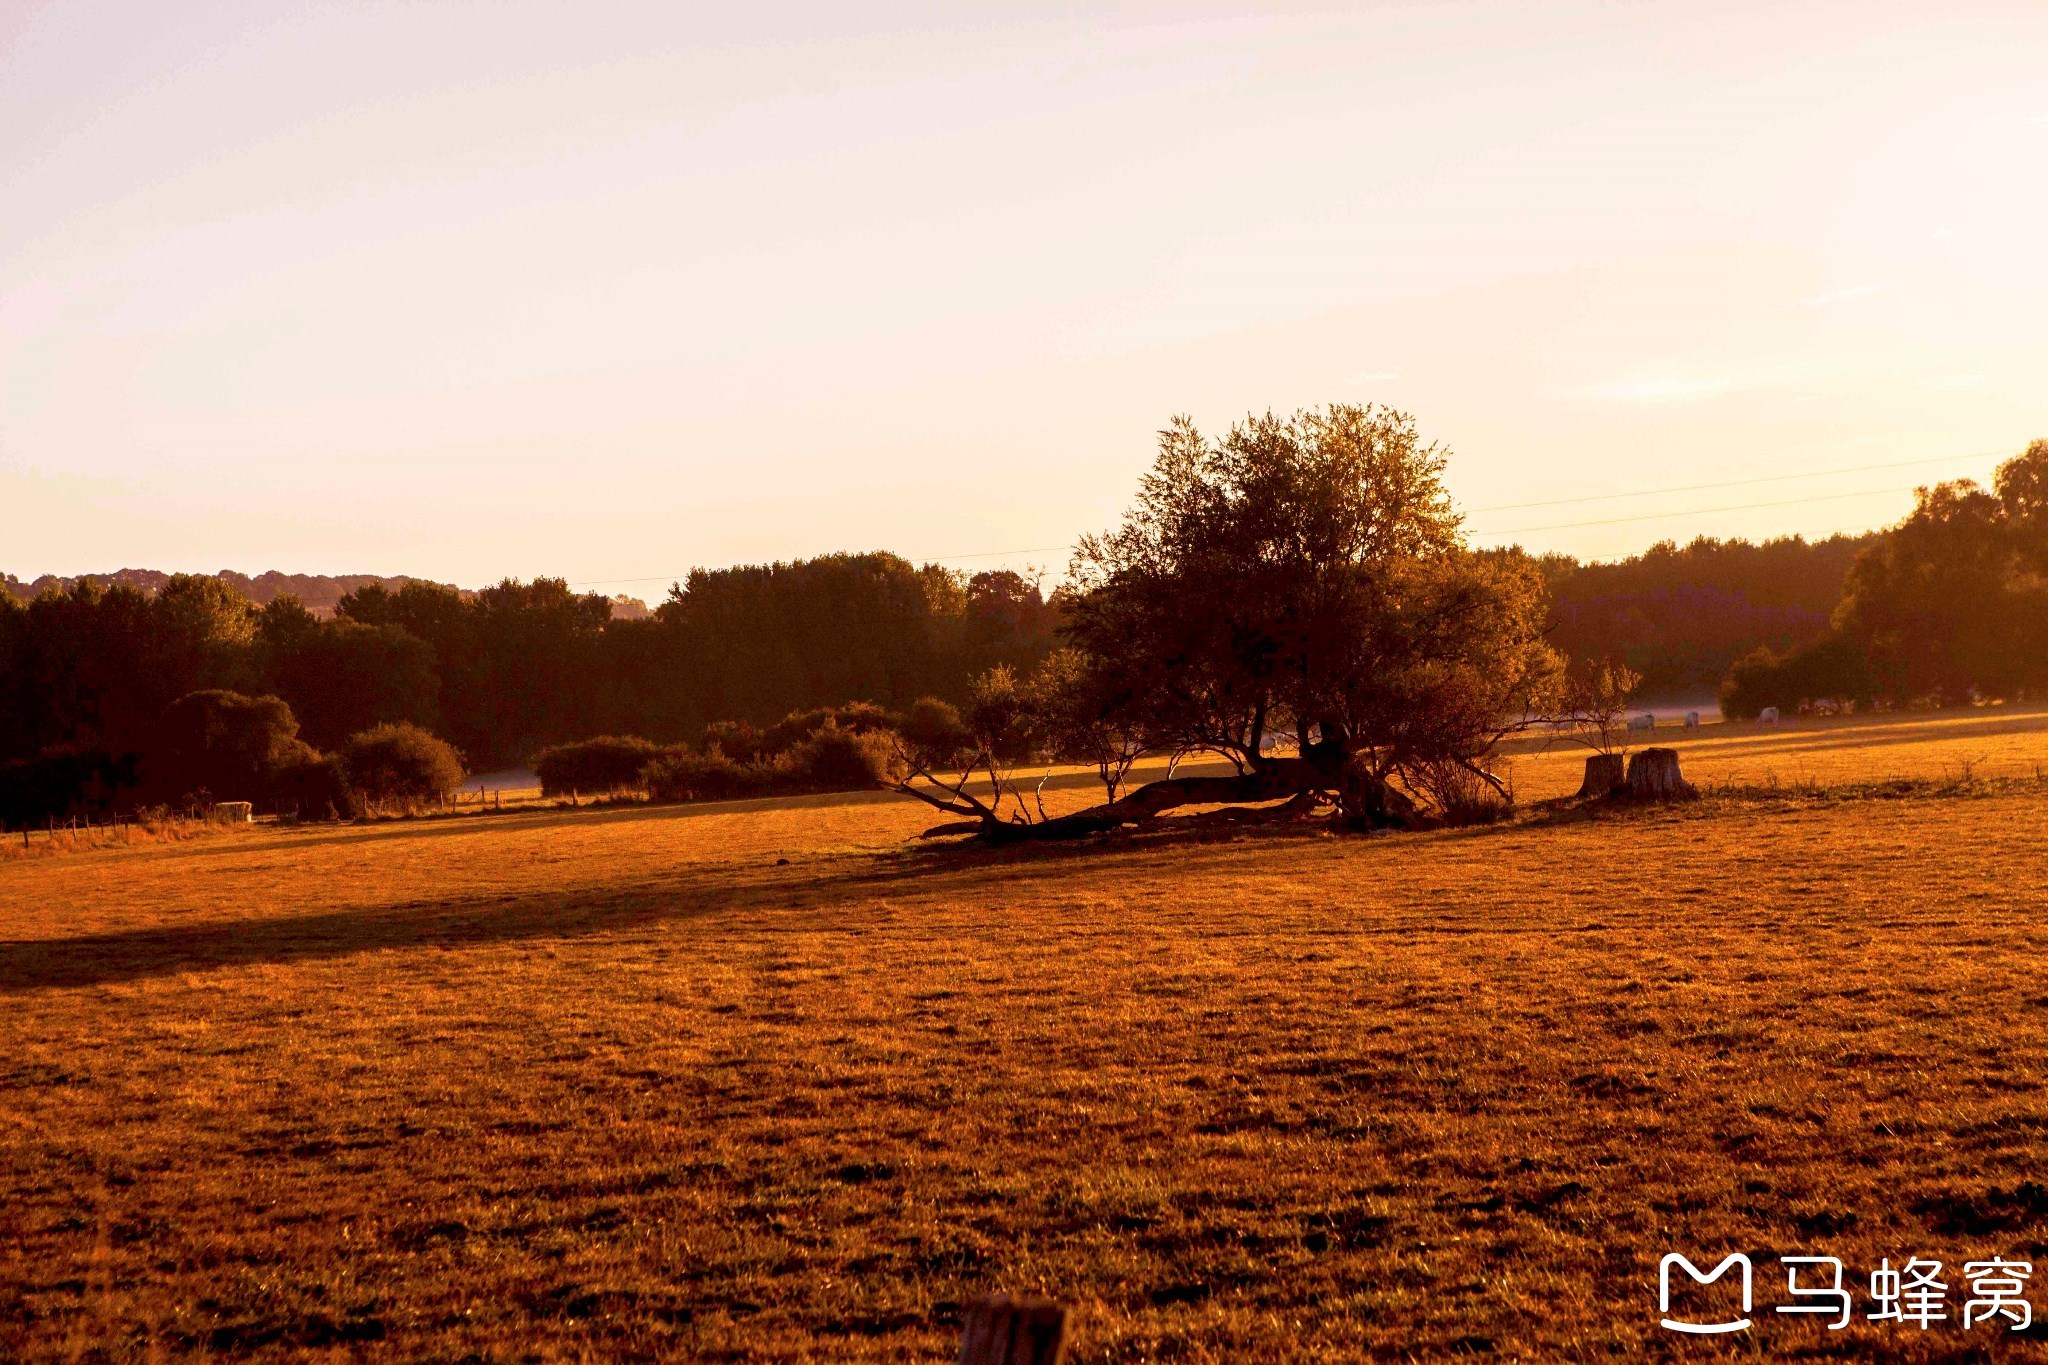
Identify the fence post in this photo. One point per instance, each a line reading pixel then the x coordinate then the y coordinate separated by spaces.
pixel 1005 1329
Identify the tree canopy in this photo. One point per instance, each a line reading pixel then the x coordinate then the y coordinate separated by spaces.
pixel 1300 576
pixel 1948 606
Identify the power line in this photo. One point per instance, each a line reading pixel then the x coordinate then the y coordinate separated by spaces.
pixel 1694 512
pixel 1516 507
pixel 1733 483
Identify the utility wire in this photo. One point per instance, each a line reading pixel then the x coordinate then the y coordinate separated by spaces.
pixel 1733 483
pixel 1693 512
pixel 1516 507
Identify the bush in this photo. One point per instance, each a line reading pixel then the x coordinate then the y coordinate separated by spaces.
pixel 736 739
pixel 681 774
pixel 1460 795
pixel 836 760
pixel 857 717
pixel 830 760
pixel 314 787
pixel 400 764
pixel 1832 673
pixel 605 764
pixel 934 731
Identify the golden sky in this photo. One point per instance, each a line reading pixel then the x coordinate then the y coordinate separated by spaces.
pixel 610 290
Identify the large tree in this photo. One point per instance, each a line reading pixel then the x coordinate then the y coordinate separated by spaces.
pixel 342 677
pixel 1949 605
pixel 1302 576
pixel 1953 602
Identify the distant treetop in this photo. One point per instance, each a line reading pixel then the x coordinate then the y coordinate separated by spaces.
pixel 319 592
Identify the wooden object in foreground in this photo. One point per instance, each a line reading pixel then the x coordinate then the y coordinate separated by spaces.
pixel 1604 772
pixel 1003 1329
pixel 1653 776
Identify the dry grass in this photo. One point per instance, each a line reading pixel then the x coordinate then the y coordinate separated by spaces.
pixel 20 845
pixel 1947 746
pixel 626 1083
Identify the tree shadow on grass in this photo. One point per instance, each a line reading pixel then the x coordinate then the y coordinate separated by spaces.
pixel 454 826
pixel 950 875
pixel 458 823
pixel 99 959
pixel 944 873
pixel 1223 845
pixel 1793 742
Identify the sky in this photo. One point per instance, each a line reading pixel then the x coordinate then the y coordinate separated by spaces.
pixel 606 291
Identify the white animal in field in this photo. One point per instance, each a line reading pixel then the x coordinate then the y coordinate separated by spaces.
pixel 1692 720
pixel 1768 716
pixel 1646 721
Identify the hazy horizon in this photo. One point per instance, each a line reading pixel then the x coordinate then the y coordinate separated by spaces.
pixel 649 591
pixel 465 291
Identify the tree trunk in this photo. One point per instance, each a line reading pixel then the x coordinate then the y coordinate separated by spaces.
pixel 1269 782
pixel 1653 776
pixel 1604 773
pixel 1272 780
pixel 1366 801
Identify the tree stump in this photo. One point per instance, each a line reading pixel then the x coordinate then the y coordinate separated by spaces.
pixel 1604 772
pixel 1013 1330
pixel 1653 776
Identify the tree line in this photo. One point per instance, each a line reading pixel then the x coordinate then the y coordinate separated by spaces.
pixel 1679 617
pixel 1183 630
pixel 1948 607
pixel 91 670
pixel 318 592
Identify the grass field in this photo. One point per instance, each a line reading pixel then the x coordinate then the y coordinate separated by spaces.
pixel 771 1082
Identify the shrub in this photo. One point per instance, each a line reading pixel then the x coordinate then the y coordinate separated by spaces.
pixel 862 717
pixel 680 774
pixel 934 731
pixel 736 739
pixel 399 764
pixel 793 729
pixel 312 787
pixel 1752 684
pixel 1001 715
pixel 1459 794
pixel 1829 674
pixel 836 760
pixel 857 717
pixel 829 760
pixel 607 763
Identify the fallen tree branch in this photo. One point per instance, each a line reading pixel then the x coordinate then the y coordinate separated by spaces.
pixel 1300 781
pixel 956 827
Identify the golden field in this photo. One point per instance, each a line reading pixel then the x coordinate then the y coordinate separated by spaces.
pixel 771 1081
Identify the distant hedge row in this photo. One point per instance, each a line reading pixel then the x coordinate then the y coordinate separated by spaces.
pixel 822 751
